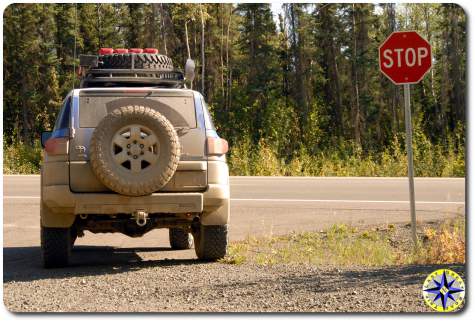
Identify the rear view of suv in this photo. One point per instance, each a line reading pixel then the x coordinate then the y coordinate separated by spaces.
pixel 133 150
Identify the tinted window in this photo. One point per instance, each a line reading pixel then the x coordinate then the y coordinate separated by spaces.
pixel 208 121
pixel 64 116
pixel 179 110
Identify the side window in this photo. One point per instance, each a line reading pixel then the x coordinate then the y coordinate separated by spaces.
pixel 208 121
pixel 61 127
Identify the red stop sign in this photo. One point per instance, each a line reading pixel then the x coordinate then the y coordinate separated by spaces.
pixel 405 57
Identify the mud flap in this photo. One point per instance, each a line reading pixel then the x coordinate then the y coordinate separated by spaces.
pixel 59 218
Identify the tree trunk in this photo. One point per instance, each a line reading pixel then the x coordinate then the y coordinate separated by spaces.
pixel 221 47
pixel 356 100
pixel 163 27
pixel 458 108
pixel 228 69
pixel 202 52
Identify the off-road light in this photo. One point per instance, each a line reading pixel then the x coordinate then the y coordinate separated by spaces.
pixel 106 51
pixel 216 146
pixel 136 50
pixel 150 50
pixel 121 51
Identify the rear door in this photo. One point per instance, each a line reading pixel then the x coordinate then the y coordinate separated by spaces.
pixel 179 107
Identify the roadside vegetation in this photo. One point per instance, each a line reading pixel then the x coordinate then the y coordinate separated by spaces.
pixel 21 158
pixel 295 89
pixel 263 159
pixel 343 245
pixel 348 159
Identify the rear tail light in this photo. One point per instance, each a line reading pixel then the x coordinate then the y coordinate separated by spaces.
pixel 57 146
pixel 106 51
pixel 150 50
pixel 136 50
pixel 121 50
pixel 216 146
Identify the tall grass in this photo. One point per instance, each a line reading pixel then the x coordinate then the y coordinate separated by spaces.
pixel 19 158
pixel 344 159
pixel 430 160
pixel 345 245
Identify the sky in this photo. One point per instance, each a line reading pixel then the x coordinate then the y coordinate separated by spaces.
pixel 276 8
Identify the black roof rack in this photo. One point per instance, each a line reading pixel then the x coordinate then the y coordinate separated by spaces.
pixel 132 77
pixel 94 76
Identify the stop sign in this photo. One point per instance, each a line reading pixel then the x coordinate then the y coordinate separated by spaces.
pixel 405 57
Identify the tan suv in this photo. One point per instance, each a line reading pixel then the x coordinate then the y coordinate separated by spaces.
pixel 131 151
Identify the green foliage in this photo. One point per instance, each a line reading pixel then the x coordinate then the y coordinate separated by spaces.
pixel 21 158
pixel 297 94
pixel 345 245
pixel 347 159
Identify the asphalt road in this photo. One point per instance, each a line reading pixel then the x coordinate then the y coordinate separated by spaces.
pixel 267 205
pixel 119 273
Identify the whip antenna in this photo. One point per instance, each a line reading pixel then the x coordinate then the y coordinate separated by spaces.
pixel 74 51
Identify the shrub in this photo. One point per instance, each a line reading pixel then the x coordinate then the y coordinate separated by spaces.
pixel 19 158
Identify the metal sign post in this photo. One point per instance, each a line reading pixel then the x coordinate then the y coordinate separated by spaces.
pixel 405 57
pixel 410 158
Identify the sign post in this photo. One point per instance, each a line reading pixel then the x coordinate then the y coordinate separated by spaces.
pixel 405 57
pixel 410 158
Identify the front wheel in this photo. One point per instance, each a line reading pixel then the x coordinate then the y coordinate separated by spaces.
pixel 211 242
pixel 55 246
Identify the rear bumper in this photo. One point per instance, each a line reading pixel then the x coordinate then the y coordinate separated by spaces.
pixel 60 197
pixel 60 205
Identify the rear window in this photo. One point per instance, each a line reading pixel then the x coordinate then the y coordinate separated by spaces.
pixel 179 110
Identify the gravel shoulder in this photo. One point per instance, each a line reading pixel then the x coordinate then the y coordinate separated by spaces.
pixel 142 280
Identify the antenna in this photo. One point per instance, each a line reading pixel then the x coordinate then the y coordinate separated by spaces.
pixel 74 51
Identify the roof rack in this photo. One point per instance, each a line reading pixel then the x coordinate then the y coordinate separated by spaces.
pixel 134 77
pixel 94 76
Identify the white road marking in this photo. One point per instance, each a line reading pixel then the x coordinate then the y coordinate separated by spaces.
pixel 251 178
pixel 19 226
pixel 308 200
pixel 351 201
pixel 21 197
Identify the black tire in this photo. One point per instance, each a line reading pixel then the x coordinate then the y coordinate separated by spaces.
pixel 141 61
pixel 211 242
pixel 116 176
pixel 55 246
pixel 180 238
pixel 74 235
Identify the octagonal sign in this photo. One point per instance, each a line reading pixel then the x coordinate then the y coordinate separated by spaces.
pixel 405 57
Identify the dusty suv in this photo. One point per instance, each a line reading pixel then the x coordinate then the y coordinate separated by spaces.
pixel 133 150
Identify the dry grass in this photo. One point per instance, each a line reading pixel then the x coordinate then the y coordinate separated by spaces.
pixel 343 245
pixel 445 244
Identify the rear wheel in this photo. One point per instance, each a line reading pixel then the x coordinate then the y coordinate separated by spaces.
pixel 180 238
pixel 211 242
pixel 55 246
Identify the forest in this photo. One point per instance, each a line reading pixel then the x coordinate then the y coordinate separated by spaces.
pixel 295 91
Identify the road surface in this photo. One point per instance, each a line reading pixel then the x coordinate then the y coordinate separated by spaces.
pixel 267 205
pixel 119 273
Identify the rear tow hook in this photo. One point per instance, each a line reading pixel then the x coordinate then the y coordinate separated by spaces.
pixel 140 217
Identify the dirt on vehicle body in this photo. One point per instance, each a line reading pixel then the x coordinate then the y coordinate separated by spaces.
pixel 134 150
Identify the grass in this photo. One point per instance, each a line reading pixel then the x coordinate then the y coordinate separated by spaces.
pixel 19 158
pixel 343 245
pixel 343 159
pixel 347 159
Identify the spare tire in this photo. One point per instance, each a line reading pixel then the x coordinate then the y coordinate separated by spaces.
pixel 134 150
pixel 141 61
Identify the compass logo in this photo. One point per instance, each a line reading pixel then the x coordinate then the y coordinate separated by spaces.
pixel 443 290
